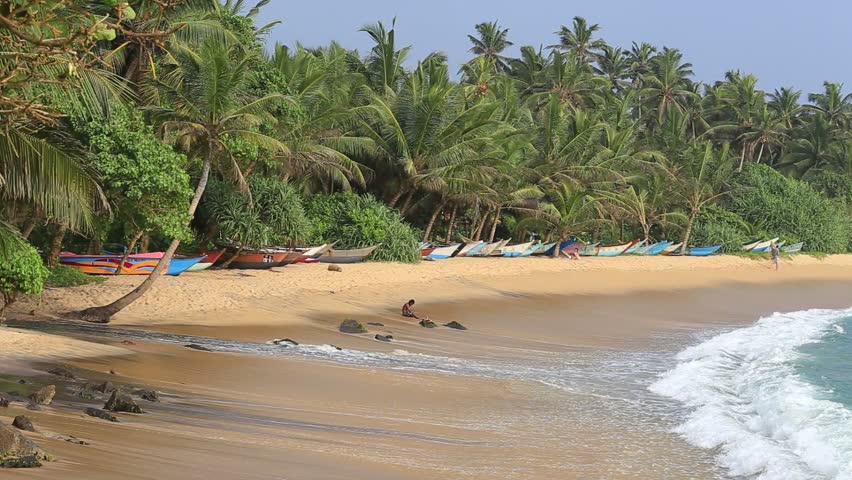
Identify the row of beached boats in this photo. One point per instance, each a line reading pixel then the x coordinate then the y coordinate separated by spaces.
pixel 145 263
pixel 576 247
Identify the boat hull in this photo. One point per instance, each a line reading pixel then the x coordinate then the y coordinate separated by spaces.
pixel 206 262
pixel 180 265
pixel 615 250
pixel 702 251
pixel 795 248
pixel 347 256
pixel 658 248
pixel 257 261
pixel 442 253
pixel 107 264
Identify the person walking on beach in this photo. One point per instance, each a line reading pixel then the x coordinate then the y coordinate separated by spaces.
pixel 407 311
pixel 776 254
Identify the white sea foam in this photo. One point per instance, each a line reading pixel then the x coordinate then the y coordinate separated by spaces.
pixel 746 399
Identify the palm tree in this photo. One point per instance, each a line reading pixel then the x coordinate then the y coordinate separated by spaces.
pixel 832 104
pixel 528 69
pixel 646 202
pixel 614 64
pixel 565 211
pixel 490 43
pixel 571 82
pixel 815 149
pixel 667 86
pixel 384 64
pixel 767 131
pixel 579 39
pixel 785 104
pixel 200 104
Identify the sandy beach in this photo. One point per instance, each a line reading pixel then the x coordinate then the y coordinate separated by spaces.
pixel 550 380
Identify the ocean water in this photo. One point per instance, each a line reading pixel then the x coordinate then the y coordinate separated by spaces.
pixel 773 401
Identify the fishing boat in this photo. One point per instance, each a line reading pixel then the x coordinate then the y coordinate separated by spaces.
pixel 258 260
pixel 794 248
pixel 515 250
pixel 702 251
pixel 636 246
pixel 763 246
pixel 671 249
pixel 442 253
pixel 137 264
pixel 347 256
pixel 658 248
pixel 425 251
pixel 470 247
pixel 615 250
pixel 531 251
pixel 312 255
pixel 206 262
pixel 545 250
pixel 589 250
pixel 178 265
pixel 486 249
pixel 644 249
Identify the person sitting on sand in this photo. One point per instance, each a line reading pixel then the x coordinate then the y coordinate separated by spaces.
pixel 407 311
pixel 776 254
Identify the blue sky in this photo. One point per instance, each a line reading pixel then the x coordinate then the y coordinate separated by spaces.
pixel 783 42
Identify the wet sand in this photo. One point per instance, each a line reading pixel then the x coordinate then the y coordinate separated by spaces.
pixel 547 383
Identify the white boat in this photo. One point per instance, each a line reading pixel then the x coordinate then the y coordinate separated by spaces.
pixel 442 253
pixel 763 246
pixel 470 246
pixel 671 249
pixel 487 249
pixel 515 250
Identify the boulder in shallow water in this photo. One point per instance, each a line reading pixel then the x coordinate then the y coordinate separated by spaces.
pixel 146 394
pixel 196 346
pixel 106 387
pixel 384 338
pixel 62 371
pixel 121 402
pixel 352 326
pixel 455 325
pixel 44 396
pixel 285 342
pixel 17 451
pixel 35 407
pixel 103 415
pixel 426 323
pixel 21 422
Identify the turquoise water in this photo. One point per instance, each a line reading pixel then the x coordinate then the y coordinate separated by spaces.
pixel 828 363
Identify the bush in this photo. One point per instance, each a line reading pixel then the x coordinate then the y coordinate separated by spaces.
pixel 361 221
pixel 790 209
pixel 64 276
pixel 21 273
pixel 716 225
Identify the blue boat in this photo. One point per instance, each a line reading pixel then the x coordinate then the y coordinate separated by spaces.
pixel 180 265
pixel 658 247
pixel 635 248
pixel 702 251
pixel 474 251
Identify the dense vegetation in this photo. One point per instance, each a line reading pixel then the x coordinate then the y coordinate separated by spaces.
pixel 117 116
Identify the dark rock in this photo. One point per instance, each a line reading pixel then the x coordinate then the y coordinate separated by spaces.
pixel 4 402
pixel 455 325
pixel 86 391
pixel 376 324
pixel 98 413
pixel 112 372
pixel 196 346
pixel 384 338
pixel 75 440
pixel 22 381
pixel 426 323
pixel 17 451
pixel 128 342
pixel 335 347
pixel 44 396
pixel 334 268
pixel 62 371
pixel 121 402
pixel 106 387
pixel 285 342
pixel 21 422
pixel 352 326
pixel 149 395
pixel 35 408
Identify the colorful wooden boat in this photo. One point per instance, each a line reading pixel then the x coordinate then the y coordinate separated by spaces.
pixel 206 262
pixel 702 251
pixel 658 248
pixel 424 252
pixel 178 265
pixel 589 250
pixel 312 254
pixel 615 250
pixel 635 247
pixel 545 249
pixel 347 256
pixel 255 260
pixel 137 264
pixel 644 249
pixel 794 248
pixel 470 247
pixel 671 249
pixel 442 253
pixel 515 250
pixel 763 247
pixel 531 251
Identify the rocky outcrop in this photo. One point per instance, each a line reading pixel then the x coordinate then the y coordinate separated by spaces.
pixel 455 325
pixel 196 346
pixel 384 338
pixel 146 394
pixel 16 451
pixel 106 387
pixel 286 342
pixel 21 422
pixel 44 396
pixel 121 402
pixel 4 402
pixel 426 323
pixel 62 371
pixel 352 326
pixel 98 413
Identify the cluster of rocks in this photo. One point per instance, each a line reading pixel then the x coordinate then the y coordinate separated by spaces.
pixel 355 327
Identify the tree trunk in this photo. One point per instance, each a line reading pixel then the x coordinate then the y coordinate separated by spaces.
pixel 686 235
pixel 407 203
pixel 742 159
pixel 395 199
pixel 129 251
pixel 431 224
pixel 56 244
pixel 482 221
pixel 494 225
pixel 760 154
pixel 104 314
pixel 452 223
pixel 145 243
pixel 29 226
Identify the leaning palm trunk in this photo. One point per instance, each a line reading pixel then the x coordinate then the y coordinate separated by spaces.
pixel 230 260
pixel 478 235
pixel 127 252
pixel 104 314
pixel 494 225
pixel 56 244
pixel 452 224
pixel 692 216
pixel 432 220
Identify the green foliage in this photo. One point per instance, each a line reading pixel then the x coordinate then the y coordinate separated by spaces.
pixel 791 209
pixel 355 221
pixel 64 276
pixel 21 273
pixel 834 185
pixel 716 225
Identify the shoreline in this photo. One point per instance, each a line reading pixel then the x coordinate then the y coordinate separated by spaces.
pixel 434 403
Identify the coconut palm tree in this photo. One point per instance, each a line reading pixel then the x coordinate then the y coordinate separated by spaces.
pixel 667 86
pixel 490 43
pixel 200 104
pixel 384 64
pixel 832 104
pixel 579 40
pixel 614 64
pixel 784 103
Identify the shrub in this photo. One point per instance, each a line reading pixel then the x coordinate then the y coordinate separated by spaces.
pixel 64 276
pixel 21 273
pixel 716 225
pixel 791 209
pixel 360 221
